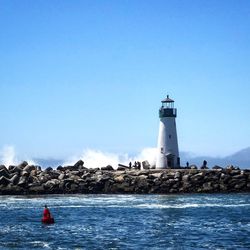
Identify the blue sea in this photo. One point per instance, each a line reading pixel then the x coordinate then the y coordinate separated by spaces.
pixel 213 221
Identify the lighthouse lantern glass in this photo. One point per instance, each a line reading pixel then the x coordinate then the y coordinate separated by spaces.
pixel 168 105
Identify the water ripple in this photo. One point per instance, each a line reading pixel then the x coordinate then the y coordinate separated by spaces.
pixel 127 222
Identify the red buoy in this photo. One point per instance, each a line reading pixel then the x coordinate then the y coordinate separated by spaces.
pixel 47 218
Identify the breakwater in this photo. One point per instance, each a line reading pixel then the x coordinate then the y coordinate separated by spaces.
pixel 28 179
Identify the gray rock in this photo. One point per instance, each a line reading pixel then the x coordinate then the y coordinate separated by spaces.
pixel 72 168
pixel 239 176
pixel 60 168
pixel 145 165
pixel 231 167
pixel 155 175
pixel 234 172
pixel 61 176
pixel 177 175
pixel 16 169
pixel 193 167
pixel 119 178
pixel 14 179
pixel 10 167
pixel 23 181
pixel 4 172
pixel 4 181
pixel 38 168
pixel 107 168
pixel 2 166
pixel 51 184
pixel 121 168
pixel 74 187
pixel 23 164
pixel 25 173
pixel 29 168
pixel 185 178
pixel 208 187
pixel 79 163
pixel 216 167
pixel 197 177
pixel 240 185
pixel 33 172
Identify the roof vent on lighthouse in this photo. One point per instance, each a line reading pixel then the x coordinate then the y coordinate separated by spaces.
pixel 167 100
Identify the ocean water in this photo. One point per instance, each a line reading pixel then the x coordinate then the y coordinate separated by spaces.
pixel 214 221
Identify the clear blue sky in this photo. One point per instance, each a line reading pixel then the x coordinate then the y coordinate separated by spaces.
pixel 91 74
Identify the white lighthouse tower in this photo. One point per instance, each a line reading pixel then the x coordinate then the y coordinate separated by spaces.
pixel 167 150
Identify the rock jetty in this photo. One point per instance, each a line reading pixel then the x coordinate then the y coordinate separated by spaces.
pixel 25 179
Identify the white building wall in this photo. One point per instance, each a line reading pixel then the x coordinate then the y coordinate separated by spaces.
pixel 167 142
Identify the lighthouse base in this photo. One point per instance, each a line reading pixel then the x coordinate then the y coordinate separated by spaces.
pixel 167 161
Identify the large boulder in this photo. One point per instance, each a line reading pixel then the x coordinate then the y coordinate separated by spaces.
pixel 79 163
pixel 23 164
pixel 14 179
pixel 61 176
pixel 216 167
pixel 193 167
pixel 197 177
pixel 2 166
pixel 10 167
pixel 107 168
pixel 15 169
pixel 29 168
pixel 4 181
pixel 141 185
pixel 177 175
pixel 185 178
pixel 155 175
pixel 60 168
pixel 119 178
pixel 207 187
pixel 121 168
pixel 38 168
pixel 51 184
pixel 145 165
pixel 48 169
pixel 231 167
pixel 4 172
pixel 71 168
pixel 23 181
pixel 25 174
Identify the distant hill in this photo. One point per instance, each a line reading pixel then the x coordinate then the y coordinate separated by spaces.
pixel 240 158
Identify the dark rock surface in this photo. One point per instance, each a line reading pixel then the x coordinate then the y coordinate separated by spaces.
pixel 28 179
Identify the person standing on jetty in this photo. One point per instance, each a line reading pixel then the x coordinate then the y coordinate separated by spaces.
pixel 47 218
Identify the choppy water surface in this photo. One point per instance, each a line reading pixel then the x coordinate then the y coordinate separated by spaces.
pixel 127 222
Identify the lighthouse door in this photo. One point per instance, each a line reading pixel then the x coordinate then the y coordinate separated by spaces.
pixel 170 161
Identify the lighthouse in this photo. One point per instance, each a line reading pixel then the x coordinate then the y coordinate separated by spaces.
pixel 167 149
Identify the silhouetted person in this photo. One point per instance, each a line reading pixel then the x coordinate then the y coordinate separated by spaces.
pixel 135 165
pixel 139 165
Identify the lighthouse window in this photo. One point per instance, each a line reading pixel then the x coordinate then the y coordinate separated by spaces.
pixel 162 150
pixel 169 136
